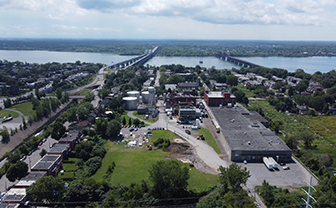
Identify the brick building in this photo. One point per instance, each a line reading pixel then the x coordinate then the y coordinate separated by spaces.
pixel 215 98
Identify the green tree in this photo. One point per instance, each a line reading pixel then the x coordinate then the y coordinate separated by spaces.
pixel 267 193
pixel 301 86
pixel 136 122
pixel 58 130
pixel 306 137
pixel 124 121
pixel 17 171
pixel 290 91
pixel 170 179
pixel 59 93
pixel 130 121
pixel 113 128
pixel 233 177
pixel 326 159
pixel 232 80
pixel 5 133
pixel 47 188
pixel 175 78
pixel 43 152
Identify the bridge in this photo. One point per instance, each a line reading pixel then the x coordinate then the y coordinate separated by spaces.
pixel 139 60
pixel 227 57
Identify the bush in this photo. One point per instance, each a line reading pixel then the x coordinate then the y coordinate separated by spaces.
pixel 93 164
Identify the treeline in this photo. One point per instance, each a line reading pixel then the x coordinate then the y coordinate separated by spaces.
pixel 178 47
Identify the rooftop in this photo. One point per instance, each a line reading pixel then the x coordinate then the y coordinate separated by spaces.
pixel 70 136
pixel 30 179
pixel 46 162
pixel 244 134
pixel 15 194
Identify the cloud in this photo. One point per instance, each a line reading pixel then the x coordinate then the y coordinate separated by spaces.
pixel 262 12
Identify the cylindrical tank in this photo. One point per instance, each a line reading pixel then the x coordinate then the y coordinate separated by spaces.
pixel 134 94
pixel 151 100
pixel 145 96
pixel 130 103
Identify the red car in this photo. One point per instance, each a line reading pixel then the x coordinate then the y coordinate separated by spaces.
pixel 40 143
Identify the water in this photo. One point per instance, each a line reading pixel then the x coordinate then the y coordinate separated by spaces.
pixel 208 62
pixel 309 64
pixel 42 57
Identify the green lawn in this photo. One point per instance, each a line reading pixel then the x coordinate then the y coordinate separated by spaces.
pixel 69 169
pixel 84 92
pixel 127 118
pixel 25 108
pixel 209 139
pixel 8 113
pixel 132 166
pixel 247 92
pixel 141 117
pixel 164 134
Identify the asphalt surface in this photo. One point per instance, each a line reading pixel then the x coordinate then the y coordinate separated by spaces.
pixel 5 184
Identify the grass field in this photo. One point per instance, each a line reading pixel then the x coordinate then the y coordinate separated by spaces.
pixel 84 92
pixel 8 113
pixel 209 139
pixel 127 118
pixel 132 165
pixel 25 108
pixel 247 92
pixel 69 169
pixel 164 134
pixel 141 117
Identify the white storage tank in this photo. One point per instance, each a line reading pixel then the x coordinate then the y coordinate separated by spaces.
pixel 130 103
pixel 145 96
pixel 151 100
pixel 134 94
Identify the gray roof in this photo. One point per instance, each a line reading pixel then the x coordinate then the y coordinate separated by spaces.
pixel 70 136
pixel 46 162
pixel 255 116
pixel 244 134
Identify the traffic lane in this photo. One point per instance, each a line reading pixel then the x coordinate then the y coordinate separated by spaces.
pixel 32 159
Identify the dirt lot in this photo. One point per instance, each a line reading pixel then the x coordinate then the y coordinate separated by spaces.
pixel 182 151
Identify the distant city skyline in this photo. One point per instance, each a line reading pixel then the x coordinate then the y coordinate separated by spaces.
pixel 170 19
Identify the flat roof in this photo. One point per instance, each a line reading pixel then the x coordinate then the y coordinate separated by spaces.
pixel 46 162
pixel 31 178
pixel 244 134
pixel 15 194
pixel 58 150
pixel 214 94
pixel 70 136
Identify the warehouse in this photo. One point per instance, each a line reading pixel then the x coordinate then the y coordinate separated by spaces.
pixel 246 139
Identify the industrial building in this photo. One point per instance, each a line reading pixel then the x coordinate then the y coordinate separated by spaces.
pixel 130 103
pixel 216 98
pixel 189 114
pixel 248 139
pixel 49 164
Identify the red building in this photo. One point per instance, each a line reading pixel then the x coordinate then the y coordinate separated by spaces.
pixel 177 99
pixel 215 98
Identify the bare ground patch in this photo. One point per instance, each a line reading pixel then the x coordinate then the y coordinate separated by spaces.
pixel 184 152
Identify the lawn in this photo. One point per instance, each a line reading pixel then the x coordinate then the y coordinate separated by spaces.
pixel 127 118
pixel 25 108
pixel 247 92
pixel 209 139
pixel 132 165
pixel 69 169
pixel 84 92
pixel 8 113
pixel 141 117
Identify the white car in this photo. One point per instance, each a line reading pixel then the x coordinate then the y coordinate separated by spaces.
pixel 285 167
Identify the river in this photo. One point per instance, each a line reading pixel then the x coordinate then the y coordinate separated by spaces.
pixel 309 64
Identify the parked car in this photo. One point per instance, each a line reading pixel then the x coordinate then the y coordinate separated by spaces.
pixel 136 129
pixel 23 158
pixel 286 167
pixel 187 131
pixel 131 129
pixel 40 143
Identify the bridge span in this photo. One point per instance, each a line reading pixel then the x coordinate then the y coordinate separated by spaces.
pixel 227 57
pixel 139 60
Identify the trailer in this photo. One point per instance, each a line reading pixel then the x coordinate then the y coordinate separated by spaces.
pixel 267 163
pixel 274 164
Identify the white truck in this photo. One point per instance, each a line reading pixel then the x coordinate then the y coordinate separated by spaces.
pixel 274 164
pixel 267 163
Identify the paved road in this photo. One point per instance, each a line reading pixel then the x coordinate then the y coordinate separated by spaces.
pixel 157 80
pixel 15 122
pixel 5 184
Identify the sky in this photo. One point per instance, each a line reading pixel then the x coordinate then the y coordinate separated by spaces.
pixel 170 19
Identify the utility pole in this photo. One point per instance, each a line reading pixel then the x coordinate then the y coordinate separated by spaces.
pixel 308 194
pixel 308 198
